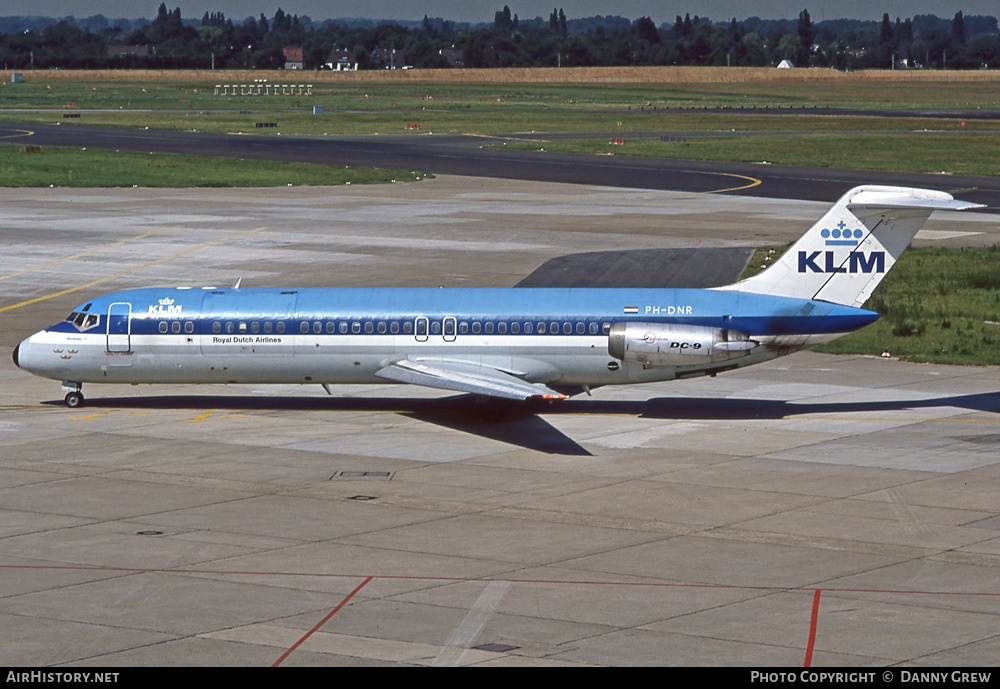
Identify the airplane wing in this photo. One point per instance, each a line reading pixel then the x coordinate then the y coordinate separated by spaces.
pixel 465 377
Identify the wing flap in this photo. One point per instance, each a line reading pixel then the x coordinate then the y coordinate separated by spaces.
pixel 465 377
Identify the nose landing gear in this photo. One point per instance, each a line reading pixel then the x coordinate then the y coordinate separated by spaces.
pixel 74 398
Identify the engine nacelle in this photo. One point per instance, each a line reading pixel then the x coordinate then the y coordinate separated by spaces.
pixel 655 344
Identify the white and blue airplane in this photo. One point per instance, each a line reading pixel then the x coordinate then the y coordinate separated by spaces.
pixel 515 343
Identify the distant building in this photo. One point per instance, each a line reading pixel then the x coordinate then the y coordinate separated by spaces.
pixel 388 58
pixel 341 60
pixel 293 58
pixel 455 58
pixel 785 64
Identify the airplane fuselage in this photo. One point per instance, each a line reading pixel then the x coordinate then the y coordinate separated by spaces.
pixel 346 335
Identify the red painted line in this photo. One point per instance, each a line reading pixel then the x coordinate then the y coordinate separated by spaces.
pixel 321 622
pixel 812 630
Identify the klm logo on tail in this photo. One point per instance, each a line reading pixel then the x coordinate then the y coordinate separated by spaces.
pixel 856 262
pixel 841 236
pixel 826 261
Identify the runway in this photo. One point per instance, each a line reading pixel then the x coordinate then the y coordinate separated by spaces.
pixel 814 511
pixel 485 157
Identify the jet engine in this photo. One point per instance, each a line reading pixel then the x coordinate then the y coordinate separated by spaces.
pixel 655 344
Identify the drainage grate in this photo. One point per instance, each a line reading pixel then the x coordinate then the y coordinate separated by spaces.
pixel 362 474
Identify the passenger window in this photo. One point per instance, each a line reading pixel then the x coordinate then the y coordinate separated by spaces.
pixel 567 328
pixel 229 327
pixel 355 327
pixel 267 326
pixel 477 328
pixel 407 327
pixel 331 327
pixel 515 327
pixel 189 327
pixel 528 328
pixel 369 327
pixel 381 327
pixel 280 327
pixel 163 327
pixel 489 327
pixel 593 328
pixel 463 328
pixel 175 327
pixel 502 328
pixel 394 327
pixel 541 328
pixel 216 327
pixel 343 327
pixel 255 327
pixel 317 327
pixel 581 328
pixel 606 328
pixel 436 328
pixel 303 327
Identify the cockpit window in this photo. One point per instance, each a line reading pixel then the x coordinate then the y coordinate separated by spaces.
pixel 83 321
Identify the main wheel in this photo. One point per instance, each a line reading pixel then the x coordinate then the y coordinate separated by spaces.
pixel 74 399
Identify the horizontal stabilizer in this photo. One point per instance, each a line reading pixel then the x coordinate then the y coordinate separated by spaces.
pixel 877 200
pixel 465 377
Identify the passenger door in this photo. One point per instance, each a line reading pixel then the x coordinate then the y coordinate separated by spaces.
pixel 120 328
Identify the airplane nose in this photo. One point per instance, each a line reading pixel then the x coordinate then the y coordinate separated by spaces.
pixel 14 356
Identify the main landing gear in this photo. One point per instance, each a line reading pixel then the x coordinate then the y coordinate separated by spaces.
pixel 74 398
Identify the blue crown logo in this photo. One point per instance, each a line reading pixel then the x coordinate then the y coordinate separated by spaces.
pixel 841 236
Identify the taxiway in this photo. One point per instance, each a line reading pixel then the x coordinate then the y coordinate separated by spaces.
pixel 818 510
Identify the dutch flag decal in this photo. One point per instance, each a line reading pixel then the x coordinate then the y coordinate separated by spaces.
pixel 631 309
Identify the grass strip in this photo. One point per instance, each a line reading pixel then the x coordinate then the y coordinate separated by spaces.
pixel 54 166
pixel 934 152
pixel 191 91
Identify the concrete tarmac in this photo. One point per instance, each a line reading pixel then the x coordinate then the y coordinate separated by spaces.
pixel 816 510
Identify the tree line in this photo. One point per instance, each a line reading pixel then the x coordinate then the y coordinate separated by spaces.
pixel 217 41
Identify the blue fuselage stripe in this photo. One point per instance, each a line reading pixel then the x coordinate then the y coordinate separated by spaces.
pixel 754 314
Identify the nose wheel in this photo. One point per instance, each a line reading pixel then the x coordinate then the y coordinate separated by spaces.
pixel 74 398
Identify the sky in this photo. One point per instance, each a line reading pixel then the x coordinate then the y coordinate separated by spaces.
pixel 660 11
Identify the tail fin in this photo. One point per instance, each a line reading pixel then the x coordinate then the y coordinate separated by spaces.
pixel 848 252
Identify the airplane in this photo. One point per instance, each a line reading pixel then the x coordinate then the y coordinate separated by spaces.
pixel 508 343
